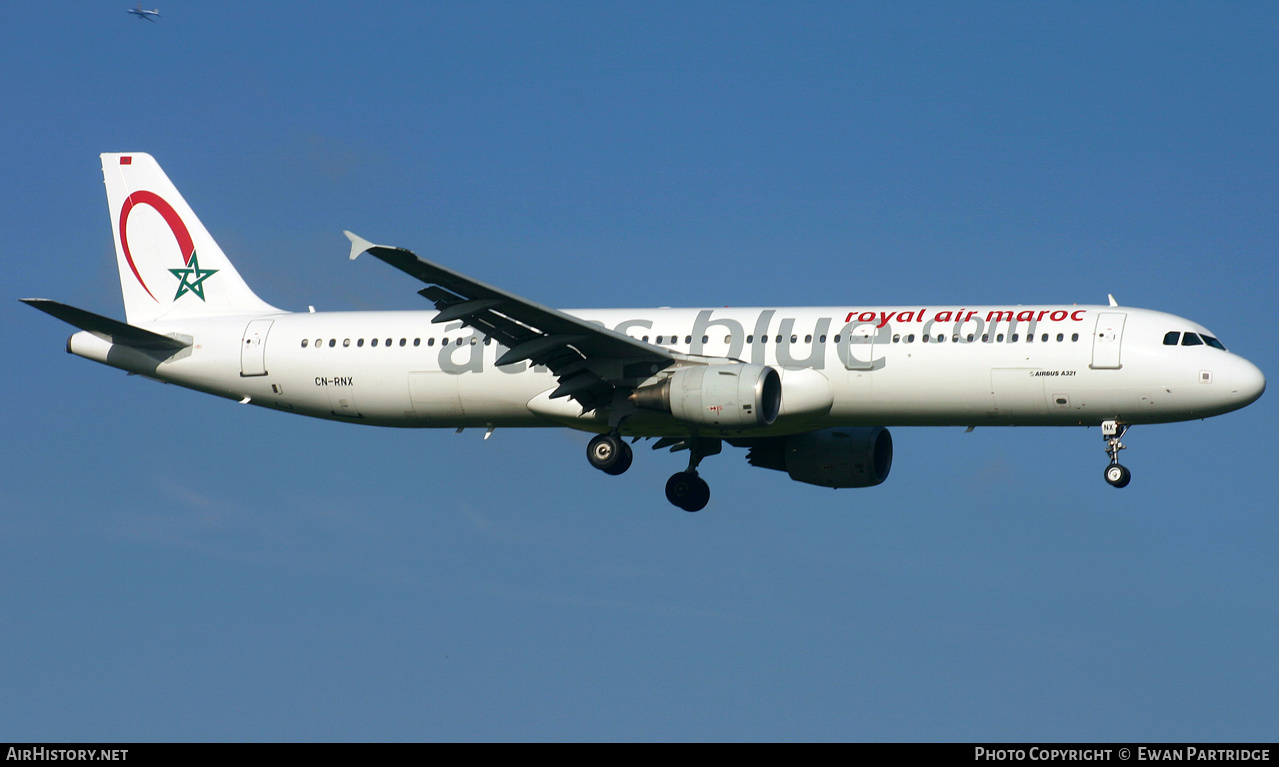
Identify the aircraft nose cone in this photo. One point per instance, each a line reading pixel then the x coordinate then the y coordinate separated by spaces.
pixel 1246 382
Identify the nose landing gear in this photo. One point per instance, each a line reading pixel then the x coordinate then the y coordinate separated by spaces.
pixel 1112 432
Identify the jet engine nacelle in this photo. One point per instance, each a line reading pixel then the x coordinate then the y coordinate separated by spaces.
pixel 737 396
pixel 838 457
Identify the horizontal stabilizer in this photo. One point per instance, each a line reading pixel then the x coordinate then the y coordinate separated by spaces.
pixel 118 332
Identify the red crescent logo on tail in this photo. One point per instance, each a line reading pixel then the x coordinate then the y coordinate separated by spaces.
pixel 171 218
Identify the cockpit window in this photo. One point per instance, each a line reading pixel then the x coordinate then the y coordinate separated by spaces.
pixel 1191 339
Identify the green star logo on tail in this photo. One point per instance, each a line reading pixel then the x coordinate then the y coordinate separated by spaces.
pixel 191 279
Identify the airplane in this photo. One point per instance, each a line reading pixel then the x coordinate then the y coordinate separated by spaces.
pixel 141 13
pixel 811 391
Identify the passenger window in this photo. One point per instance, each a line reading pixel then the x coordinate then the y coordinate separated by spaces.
pixel 985 338
pixel 1061 337
pixel 333 342
pixel 1014 337
pixel 659 339
pixel 1074 336
pixel 418 341
pixel 645 339
pixel 360 342
pixel 346 342
pixel 779 339
pixel 458 343
pixel 373 342
pixel 750 339
pixel 823 338
pixel 388 342
pixel 1170 339
pixel 971 337
pixel 689 339
pixel 1191 339
pixel 924 338
pixel 319 342
pixel 430 342
pixel 727 339
pixel 1000 338
pixel 955 338
pixel 304 342
pixel 896 337
pixel 807 339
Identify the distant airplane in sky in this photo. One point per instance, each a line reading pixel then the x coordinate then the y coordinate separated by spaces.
pixel 805 390
pixel 141 13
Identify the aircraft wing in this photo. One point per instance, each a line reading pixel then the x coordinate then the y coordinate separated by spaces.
pixel 589 360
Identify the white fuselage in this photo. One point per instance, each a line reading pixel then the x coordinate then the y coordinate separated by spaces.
pixel 840 366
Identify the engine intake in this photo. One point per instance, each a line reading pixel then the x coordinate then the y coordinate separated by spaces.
pixel 737 396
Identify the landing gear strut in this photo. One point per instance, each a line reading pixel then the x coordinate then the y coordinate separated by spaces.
pixel 1112 432
pixel 687 490
pixel 609 454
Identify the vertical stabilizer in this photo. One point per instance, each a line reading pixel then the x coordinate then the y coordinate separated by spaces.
pixel 170 267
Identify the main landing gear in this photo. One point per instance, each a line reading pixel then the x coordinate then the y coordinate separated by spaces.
pixel 1112 432
pixel 685 489
pixel 688 491
pixel 611 455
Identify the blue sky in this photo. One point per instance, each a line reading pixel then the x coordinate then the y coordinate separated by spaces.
pixel 177 567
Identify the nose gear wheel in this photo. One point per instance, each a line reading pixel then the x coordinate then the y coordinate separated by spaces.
pixel 1112 432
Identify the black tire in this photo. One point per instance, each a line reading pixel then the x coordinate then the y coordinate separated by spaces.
pixel 1118 476
pixel 606 452
pixel 623 462
pixel 688 491
pixel 701 496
